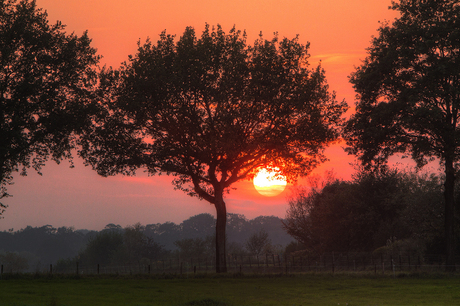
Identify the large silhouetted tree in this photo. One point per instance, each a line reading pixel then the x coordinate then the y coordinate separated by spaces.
pixel 210 110
pixel 45 80
pixel 408 91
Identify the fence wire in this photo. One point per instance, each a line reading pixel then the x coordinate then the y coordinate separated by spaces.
pixel 266 263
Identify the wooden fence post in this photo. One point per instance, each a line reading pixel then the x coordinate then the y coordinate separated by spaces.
pixel 381 258
pixel 77 267
pixel 286 263
pixel 51 268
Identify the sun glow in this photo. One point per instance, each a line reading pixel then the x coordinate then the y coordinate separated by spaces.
pixel 269 183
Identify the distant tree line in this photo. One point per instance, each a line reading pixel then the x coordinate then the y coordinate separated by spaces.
pixel 388 212
pixel 35 248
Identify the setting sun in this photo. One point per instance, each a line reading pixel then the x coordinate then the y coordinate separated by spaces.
pixel 269 183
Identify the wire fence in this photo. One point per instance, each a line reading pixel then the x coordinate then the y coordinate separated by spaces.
pixel 266 264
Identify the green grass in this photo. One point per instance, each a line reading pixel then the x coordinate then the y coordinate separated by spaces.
pixel 212 290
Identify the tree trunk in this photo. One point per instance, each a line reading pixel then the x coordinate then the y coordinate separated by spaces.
pixel 449 214
pixel 221 223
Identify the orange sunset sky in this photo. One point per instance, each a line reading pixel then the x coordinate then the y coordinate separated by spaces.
pixel 339 32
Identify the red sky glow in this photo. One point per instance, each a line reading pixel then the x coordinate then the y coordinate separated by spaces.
pixel 339 32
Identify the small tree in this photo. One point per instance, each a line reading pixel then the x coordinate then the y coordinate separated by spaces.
pixel 14 262
pixel 195 247
pixel 298 222
pixel 258 243
pixel 408 91
pixel 102 248
pixel 212 110
pixel 46 78
pixel 137 246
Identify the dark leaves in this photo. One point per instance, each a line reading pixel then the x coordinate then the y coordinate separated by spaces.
pixel 407 88
pixel 212 109
pixel 47 81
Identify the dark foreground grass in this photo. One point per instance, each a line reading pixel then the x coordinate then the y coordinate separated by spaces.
pixel 307 289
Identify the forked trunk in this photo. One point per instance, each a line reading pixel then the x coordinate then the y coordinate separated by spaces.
pixel 221 223
pixel 449 212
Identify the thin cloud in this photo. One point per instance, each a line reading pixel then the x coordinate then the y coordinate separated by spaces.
pixel 340 58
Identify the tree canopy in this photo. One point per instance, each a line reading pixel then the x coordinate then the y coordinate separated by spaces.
pixel 408 91
pixel 376 210
pixel 46 78
pixel 211 110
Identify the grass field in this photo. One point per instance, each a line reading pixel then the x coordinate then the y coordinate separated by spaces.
pixel 307 289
